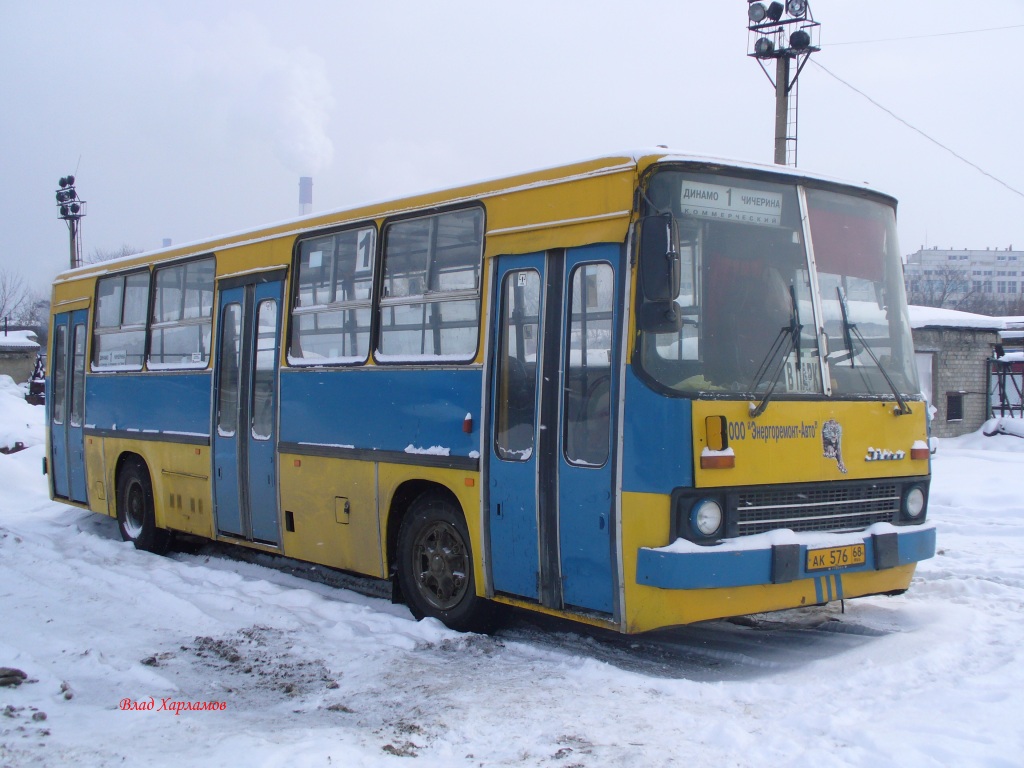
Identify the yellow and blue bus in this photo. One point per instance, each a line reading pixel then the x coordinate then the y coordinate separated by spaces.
pixel 638 391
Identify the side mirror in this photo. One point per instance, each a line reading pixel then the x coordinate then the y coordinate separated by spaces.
pixel 659 317
pixel 659 258
pixel 657 310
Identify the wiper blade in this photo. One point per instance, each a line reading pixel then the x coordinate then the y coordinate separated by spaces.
pixel 849 329
pixel 787 340
pixel 794 324
pixel 847 326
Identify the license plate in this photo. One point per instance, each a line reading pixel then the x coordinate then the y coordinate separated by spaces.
pixel 835 557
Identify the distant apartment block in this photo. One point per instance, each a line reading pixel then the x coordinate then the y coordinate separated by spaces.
pixel 988 281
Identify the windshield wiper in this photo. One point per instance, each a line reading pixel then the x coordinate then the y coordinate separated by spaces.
pixel 850 329
pixel 787 340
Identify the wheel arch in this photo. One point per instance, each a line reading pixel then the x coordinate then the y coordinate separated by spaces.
pixel 144 532
pixel 401 501
pixel 124 459
pixel 422 513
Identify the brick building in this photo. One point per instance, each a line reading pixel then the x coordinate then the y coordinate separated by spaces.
pixel 953 350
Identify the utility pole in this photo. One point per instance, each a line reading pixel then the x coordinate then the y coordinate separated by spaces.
pixel 71 210
pixel 782 92
pixel 785 33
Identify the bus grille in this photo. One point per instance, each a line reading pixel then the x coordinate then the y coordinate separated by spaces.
pixel 834 508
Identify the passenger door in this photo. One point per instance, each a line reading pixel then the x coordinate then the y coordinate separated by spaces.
pixel 553 390
pixel 66 404
pixel 514 463
pixel 245 409
pixel 589 396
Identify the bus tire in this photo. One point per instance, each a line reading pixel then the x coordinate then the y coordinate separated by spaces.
pixel 135 517
pixel 435 567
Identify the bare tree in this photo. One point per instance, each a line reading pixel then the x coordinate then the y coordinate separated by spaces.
pixel 36 309
pixel 100 254
pixel 1014 307
pixel 946 286
pixel 15 297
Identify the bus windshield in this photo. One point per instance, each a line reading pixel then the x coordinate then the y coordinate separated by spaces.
pixel 863 303
pixel 751 290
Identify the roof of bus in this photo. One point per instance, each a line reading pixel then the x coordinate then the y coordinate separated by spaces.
pixel 667 156
pixel 636 161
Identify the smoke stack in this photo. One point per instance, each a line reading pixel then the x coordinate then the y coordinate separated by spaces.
pixel 305 195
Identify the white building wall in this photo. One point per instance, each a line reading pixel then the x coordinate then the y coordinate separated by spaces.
pixel 992 273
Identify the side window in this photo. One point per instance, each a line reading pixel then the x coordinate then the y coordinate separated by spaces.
pixel 331 313
pixel 119 333
pixel 230 369
pixel 180 327
pixel 78 375
pixel 264 382
pixel 587 389
pixel 59 373
pixel 516 402
pixel 430 298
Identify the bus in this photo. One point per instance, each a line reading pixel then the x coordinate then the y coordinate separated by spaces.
pixel 638 391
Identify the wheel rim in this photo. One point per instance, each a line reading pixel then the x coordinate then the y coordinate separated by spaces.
pixel 134 510
pixel 441 565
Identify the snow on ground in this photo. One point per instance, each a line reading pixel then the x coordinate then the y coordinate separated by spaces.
pixel 303 672
pixel 19 421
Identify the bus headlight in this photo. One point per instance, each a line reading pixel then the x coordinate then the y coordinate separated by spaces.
pixel 706 517
pixel 913 503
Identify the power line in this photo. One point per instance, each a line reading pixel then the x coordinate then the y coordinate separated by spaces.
pixel 918 130
pixel 922 37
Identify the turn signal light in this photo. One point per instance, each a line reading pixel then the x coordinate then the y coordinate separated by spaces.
pixel 718 461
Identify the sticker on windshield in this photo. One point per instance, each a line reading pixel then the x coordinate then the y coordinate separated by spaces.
pixel 727 203
pixel 803 377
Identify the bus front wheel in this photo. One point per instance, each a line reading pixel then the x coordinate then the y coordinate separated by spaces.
pixel 135 517
pixel 435 567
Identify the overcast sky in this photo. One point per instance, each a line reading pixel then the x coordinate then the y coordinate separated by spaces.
pixel 190 119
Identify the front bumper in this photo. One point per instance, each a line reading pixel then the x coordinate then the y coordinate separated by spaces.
pixel 778 557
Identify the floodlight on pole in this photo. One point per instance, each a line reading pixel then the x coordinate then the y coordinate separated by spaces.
pixel 799 40
pixel 764 48
pixel 71 208
pixel 774 11
pixel 787 33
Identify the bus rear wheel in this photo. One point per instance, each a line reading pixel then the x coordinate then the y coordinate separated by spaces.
pixel 135 516
pixel 435 567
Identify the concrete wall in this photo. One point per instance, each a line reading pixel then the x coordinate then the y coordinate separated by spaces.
pixel 18 365
pixel 959 367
